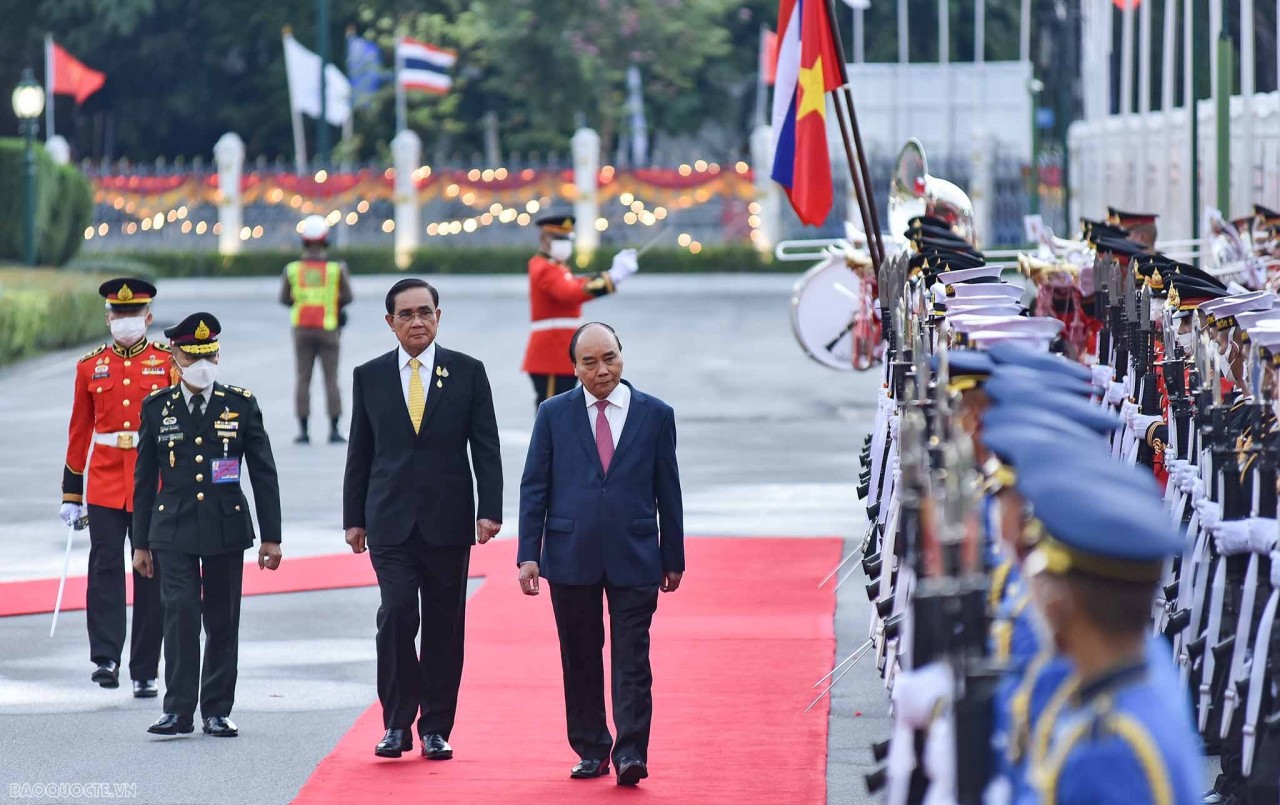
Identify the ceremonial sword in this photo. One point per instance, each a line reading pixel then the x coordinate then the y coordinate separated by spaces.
pixel 75 525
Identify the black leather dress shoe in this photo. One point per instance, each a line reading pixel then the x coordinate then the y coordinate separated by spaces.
pixel 435 747
pixel 631 771
pixel 170 724
pixel 145 689
pixel 220 727
pixel 107 674
pixel 395 743
pixel 587 768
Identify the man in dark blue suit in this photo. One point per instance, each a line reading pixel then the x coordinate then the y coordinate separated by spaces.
pixel 601 517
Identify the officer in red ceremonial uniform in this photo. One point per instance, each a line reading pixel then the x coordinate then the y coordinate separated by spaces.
pixel 556 295
pixel 111 383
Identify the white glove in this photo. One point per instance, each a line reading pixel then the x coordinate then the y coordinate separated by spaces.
pixel 1115 393
pixel 1262 535
pixel 625 263
pixel 1210 512
pixel 1128 412
pixel 1102 377
pixel 1275 568
pixel 1231 537
pixel 918 691
pixel 70 512
pixel 1197 492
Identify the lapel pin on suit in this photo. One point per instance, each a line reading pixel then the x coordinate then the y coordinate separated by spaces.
pixel 441 373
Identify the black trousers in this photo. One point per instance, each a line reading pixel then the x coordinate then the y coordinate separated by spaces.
pixel 201 590
pixel 423 587
pixel 105 599
pixel 580 622
pixel 550 385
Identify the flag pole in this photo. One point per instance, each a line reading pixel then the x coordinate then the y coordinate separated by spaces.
pixel 348 126
pixel 859 173
pixel 402 112
pixel 322 48
pixel 761 92
pixel 48 86
pixel 299 138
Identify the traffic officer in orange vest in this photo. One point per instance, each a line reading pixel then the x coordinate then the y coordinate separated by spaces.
pixel 111 383
pixel 556 295
pixel 316 289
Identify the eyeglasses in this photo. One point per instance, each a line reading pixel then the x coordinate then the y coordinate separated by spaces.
pixel 424 313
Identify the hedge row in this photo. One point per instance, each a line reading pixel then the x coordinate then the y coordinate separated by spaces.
pixel 43 309
pixel 64 205
pixel 492 260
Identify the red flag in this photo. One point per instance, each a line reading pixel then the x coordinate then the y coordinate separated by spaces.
pixel 69 76
pixel 811 192
pixel 768 56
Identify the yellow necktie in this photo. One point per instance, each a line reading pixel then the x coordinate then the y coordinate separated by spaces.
pixel 417 395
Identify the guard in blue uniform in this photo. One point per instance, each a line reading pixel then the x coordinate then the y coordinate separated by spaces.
pixel 1121 731
pixel 1021 435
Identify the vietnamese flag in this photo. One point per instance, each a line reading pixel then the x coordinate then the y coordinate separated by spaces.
pixel 67 75
pixel 808 68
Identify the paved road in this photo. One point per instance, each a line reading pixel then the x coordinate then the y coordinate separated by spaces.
pixel 768 446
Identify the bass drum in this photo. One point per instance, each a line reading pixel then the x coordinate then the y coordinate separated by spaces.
pixel 833 316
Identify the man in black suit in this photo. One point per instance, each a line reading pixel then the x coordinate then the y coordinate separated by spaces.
pixel 407 499
pixel 601 516
pixel 194 442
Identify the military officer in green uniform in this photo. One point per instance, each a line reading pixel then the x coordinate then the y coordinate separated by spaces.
pixel 195 441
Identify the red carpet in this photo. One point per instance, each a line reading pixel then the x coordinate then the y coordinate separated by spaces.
pixel 735 651
pixel 332 572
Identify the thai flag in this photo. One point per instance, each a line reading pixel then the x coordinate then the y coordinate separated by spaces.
pixel 424 67
pixel 807 69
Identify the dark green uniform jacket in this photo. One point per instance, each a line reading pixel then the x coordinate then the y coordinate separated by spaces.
pixel 187 494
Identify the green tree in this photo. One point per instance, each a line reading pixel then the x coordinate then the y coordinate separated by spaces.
pixel 554 59
pixel 542 64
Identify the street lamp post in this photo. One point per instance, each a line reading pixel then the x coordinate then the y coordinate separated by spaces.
pixel 28 103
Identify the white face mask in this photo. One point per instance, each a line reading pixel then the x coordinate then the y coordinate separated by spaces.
pixel 1224 366
pixel 201 374
pixel 129 331
pixel 1187 341
pixel 560 250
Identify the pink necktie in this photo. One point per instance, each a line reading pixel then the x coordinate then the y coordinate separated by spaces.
pixel 604 436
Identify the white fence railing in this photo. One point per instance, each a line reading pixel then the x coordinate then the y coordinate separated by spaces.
pixel 1141 163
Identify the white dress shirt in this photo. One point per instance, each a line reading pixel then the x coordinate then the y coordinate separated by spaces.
pixel 615 413
pixel 428 359
pixel 187 394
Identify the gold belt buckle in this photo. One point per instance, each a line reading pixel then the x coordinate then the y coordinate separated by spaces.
pixel 124 441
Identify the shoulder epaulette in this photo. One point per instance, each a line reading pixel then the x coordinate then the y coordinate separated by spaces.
pixel 101 348
pixel 241 391
pixel 162 346
pixel 158 392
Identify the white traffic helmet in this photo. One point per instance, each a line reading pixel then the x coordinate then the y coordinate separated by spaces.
pixel 314 229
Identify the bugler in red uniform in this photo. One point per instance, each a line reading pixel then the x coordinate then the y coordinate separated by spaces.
pixel 556 296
